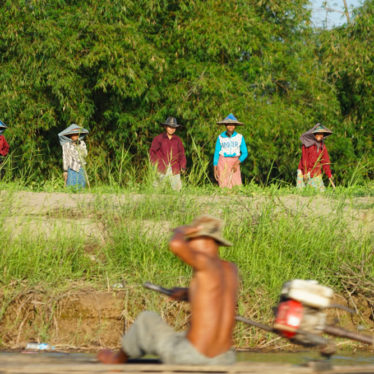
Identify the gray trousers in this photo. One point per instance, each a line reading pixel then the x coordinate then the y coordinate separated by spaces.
pixel 175 180
pixel 149 334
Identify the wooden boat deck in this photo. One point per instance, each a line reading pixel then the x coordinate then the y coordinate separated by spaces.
pixel 65 364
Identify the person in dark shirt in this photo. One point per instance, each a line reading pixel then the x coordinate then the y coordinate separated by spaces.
pixel 314 158
pixel 167 153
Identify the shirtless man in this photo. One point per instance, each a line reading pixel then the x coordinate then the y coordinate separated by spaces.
pixel 212 295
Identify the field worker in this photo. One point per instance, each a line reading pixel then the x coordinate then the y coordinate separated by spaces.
pixel 167 153
pixel 4 146
pixel 229 153
pixel 314 158
pixel 212 295
pixel 74 152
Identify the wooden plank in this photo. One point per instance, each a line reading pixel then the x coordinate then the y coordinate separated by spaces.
pixel 252 368
pixel 38 363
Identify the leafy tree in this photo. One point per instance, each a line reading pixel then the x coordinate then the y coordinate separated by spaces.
pixel 120 67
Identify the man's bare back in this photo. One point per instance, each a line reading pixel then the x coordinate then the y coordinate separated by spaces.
pixel 213 302
pixel 212 292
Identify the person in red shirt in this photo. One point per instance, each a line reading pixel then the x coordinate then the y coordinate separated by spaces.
pixel 4 146
pixel 167 154
pixel 314 158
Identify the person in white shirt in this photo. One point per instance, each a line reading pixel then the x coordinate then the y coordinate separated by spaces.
pixel 74 153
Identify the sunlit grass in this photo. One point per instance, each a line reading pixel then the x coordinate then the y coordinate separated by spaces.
pixel 272 242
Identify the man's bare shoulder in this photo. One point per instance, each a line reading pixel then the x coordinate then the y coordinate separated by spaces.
pixel 230 266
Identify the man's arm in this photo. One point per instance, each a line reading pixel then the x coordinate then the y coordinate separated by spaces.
pixel 326 162
pixel 182 156
pixel 179 294
pixel 179 246
pixel 83 148
pixel 155 146
pixel 4 146
pixel 243 150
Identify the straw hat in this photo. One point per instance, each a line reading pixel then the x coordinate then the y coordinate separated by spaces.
pixel 230 120
pixel 171 122
pixel 211 227
pixel 320 129
pixel 64 136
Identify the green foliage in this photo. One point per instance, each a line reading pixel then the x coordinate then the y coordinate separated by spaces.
pixel 347 60
pixel 119 67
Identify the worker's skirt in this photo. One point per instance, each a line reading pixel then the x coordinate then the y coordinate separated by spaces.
pixel 315 182
pixel 226 176
pixel 149 334
pixel 76 179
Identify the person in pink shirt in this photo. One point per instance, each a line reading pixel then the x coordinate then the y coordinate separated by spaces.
pixel 314 159
pixel 167 154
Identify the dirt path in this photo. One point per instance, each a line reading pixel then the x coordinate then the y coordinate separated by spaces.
pixel 48 214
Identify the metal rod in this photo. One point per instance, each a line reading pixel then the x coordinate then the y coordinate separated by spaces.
pixel 255 324
pixel 343 333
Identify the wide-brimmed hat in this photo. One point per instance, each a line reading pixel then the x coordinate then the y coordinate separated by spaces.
pixel 320 129
pixel 3 126
pixel 171 122
pixel 63 136
pixel 211 227
pixel 230 120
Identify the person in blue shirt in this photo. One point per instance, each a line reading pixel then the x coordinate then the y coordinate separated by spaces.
pixel 229 153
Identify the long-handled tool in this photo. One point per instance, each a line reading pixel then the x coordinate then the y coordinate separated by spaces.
pixel 302 322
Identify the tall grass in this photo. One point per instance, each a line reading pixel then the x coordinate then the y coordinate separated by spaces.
pixel 126 170
pixel 274 241
pixel 271 243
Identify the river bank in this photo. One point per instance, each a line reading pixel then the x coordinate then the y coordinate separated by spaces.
pixel 73 264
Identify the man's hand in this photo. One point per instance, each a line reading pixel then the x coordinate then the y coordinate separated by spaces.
pixel 65 176
pixel 179 294
pixel 331 179
pixel 216 173
pixel 186 230
pixel 235 166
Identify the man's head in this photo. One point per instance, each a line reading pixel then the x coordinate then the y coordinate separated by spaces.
pixel 171 122
pixel 320 132
pixel 170 130
pixel 229 121
pixel 74 137
pixel 319 136
pixel 230 129
pixel 208 227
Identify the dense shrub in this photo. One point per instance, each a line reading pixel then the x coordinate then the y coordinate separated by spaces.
pixel 119 67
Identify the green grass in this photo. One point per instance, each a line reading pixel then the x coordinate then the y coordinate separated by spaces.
pixel 273 242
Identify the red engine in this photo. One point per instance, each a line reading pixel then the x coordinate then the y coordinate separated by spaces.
pixel 289 317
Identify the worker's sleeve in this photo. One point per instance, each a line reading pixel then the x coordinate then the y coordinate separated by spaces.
pixel 243 150
pixel 83 149
pixel 326 162
pixel 65 157
pixel 216 152
pixel 155 146
pixel 302 164
pixel 4 146
pixel 182 156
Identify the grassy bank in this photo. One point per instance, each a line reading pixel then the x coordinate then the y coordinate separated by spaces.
pixel 57 246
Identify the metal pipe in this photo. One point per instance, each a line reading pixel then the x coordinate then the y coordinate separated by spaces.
pixel 343 333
